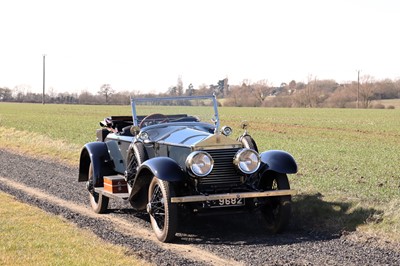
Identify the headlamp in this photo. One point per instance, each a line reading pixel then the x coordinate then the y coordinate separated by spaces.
pixel 247 161
pixel 200 163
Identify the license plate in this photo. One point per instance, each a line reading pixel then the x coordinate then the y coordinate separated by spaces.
pixel 233 202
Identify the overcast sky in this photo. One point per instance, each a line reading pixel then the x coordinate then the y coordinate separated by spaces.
pixel 147 45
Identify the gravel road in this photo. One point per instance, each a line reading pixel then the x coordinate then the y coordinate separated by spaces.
pixel 227 240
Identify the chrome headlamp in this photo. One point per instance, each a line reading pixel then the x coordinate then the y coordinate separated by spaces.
pixel 200 163
pixel 247 161
pixel 227 131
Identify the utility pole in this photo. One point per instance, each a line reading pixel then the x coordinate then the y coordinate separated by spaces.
pixel 358 88
pixel 44 78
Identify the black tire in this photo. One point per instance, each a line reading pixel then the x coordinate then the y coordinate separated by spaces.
pixel 140 152
pixel 248 142
pixel 163 213
pixel 136 156
pixel 277 211
pixel 98 201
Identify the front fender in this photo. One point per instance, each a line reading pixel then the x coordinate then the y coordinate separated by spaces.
pixel 278 161
pixel 163 168
pixel 97 154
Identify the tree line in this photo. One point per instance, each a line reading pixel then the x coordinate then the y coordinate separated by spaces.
pixel 364 93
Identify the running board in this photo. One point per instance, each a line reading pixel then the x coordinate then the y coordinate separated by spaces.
pixel 101 191
pixel 240 195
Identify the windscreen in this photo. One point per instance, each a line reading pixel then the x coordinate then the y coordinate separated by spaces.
pixel 202 109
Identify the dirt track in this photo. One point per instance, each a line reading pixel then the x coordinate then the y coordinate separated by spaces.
pixel 229 240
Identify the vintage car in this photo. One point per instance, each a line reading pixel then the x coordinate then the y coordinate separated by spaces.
pixel 171 164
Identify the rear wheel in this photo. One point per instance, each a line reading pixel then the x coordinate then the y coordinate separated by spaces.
pixel 163 213
pixel 277 211
pixel 98 201
pixel 136 156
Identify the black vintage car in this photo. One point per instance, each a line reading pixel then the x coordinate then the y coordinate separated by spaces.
pixel 170 164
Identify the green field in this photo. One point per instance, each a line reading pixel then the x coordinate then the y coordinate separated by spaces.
pixel 349 174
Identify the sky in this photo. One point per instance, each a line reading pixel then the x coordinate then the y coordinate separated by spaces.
pixel 147 45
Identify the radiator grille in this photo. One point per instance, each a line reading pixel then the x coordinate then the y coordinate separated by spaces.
pixel 224 172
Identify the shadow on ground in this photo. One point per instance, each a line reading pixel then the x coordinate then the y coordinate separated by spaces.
pixel 311 212
pixel 313 219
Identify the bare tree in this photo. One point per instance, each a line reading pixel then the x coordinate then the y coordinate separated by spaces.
pixel 176 90
pixel 85 97
pixel 386 89
pixel 311 92
pixel 367 88
pixel 20 91
pixel 179 86
pixel 122 98
pixel 202 90
pixel 307 96
pixel 106 91
pixel 261 90
pixel 344 96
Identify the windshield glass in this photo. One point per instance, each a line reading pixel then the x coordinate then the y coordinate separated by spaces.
pixel 191 108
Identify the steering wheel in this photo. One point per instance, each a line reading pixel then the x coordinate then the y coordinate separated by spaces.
pixel 153 116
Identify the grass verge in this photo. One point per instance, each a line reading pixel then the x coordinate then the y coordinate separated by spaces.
pixel 36 145
pixel 30 236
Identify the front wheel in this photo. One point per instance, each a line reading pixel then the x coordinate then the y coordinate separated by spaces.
pixel 277 211
pixel 163 213
pixel 99 202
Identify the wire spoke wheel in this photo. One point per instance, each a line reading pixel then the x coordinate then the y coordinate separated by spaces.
pixel 277 210
pixel 158 207
pixel 163 214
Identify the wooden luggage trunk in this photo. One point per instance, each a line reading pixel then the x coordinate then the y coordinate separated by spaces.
pixel 115 184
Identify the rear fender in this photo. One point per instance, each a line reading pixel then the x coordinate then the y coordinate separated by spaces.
pixel 97 154
pixel 278 161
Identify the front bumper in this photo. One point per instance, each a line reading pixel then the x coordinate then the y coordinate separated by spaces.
pixel 240 195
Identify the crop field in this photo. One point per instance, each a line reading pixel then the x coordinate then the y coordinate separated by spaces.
pixel 349 173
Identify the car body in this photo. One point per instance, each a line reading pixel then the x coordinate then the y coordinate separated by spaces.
pixel 178 164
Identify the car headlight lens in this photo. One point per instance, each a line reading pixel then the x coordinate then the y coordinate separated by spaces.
pixel 247 160
pixel 200 163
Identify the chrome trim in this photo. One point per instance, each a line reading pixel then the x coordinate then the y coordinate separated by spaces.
pixel 240 195
pixel 189 163
pixel 224 173
pixel 217 141
pixel 143 135
pixel 236 161
pixel 227 131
